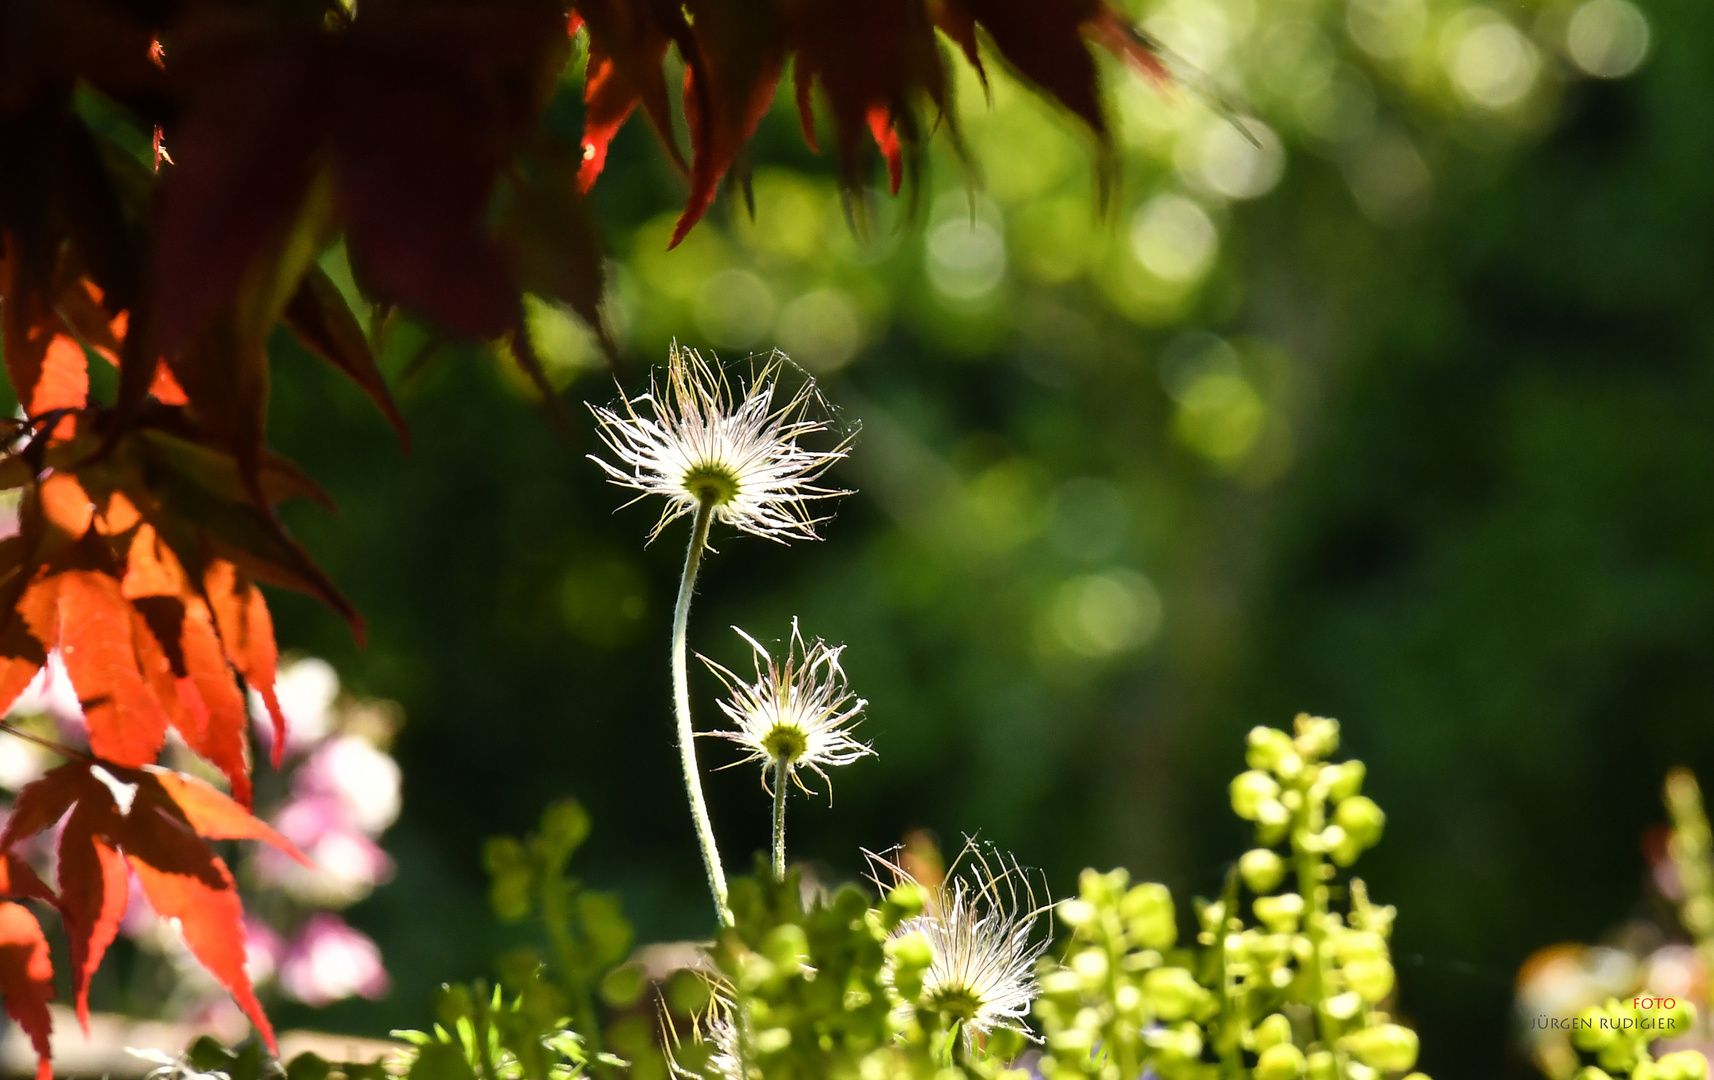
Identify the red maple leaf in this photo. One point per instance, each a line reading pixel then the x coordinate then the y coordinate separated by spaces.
pixel 151 822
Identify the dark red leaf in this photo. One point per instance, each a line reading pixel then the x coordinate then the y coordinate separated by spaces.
pixel 320 318
pixel 627 44
pixel 742 47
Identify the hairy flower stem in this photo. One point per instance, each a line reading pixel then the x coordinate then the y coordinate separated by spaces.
pixel 681 707
pixel 779 819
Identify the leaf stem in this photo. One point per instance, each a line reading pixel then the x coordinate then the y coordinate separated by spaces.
pixel 681 708
pixel 48 744
pixel 779 819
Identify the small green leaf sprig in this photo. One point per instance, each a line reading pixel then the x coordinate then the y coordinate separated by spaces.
pixel 1298 993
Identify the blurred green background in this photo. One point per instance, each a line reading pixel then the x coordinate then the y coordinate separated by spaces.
pixel 1402 413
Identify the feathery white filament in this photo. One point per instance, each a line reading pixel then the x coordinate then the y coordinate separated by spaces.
pixel 798 709
pixel 695 442
pixel 979 924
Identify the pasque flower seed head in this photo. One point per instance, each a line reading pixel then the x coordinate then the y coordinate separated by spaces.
pixel 695 441
pixel 798 709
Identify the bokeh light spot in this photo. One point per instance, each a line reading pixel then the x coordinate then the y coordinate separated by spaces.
pixel 1607 38
pixel 1173 238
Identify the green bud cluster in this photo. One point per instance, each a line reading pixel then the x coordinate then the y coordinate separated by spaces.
pixel 829 989
pixel 1690 848
pixel 1619 1035
pixel 1296 993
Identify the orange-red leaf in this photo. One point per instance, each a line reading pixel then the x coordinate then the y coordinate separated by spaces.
pixel 217 817
pixel 27 979
pixel 66 505
pixel 94 891
pixel 191 678
pixel 247 635
pixel 104 642
pixel 136 814
pixel 887 141
pixel 17 880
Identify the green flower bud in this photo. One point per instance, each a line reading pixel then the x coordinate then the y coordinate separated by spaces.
pixel 1361 818
pixel 1388 1047
pixel 1076 913
pixel 1682 1065
pixel 1344 781
pixel 1680 1018
pixel 1353 945
pixel 1273 1031
pixel 907 901
pixel 1072 1043
pixel 1250 791
pixel 1321 1066
pixel 1091 966
pixel 771 1040
pixel 1618 1056
pixel 1343 1006
pixel 1272 816
pixel 910 952
pixel 1646 1070
pixel 1317 736
pixel 1261 869
pixel 1281 1062
pixel 1099 888
pixel 1373 979
pixel 1182 1041
pixel 1265 747
pixel 1588 1073
pixel 1591 1033
pixel 787 946
pixel 1149 916
pixel 624 985
pixel 1173 993
pixel 1061 983
pixel 1279 913
pixel 1346 851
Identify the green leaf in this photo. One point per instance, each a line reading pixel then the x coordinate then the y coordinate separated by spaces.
pixel 441 1061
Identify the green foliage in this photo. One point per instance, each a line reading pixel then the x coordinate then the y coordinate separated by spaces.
pixel 484 1035
pixel 587 932
pixel 1297 992
pixel 206 1057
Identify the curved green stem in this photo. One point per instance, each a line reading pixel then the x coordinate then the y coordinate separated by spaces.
pixel 780 780
pixel 681 708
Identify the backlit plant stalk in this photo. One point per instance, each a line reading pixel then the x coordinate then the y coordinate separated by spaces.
pixel 681 713
pixel 797 714
pixel 713 454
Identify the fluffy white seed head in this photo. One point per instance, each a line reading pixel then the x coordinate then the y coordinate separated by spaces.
pixel 797 709
pixel 980 927
pixel 694 440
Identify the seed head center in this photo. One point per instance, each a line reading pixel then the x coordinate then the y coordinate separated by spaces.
pixel 957 1002
pixel 786 742
pixel 711 483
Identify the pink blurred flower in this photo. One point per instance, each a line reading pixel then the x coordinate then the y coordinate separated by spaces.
pixel 364 780
pixel 347 862
pixel 307 689
pixel 264 948
pixel 329 961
